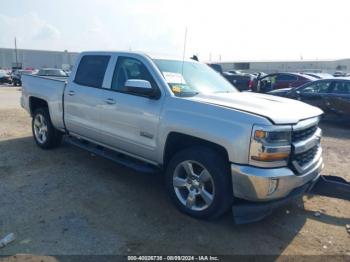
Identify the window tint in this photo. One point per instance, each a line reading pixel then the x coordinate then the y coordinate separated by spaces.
pixel 283 77
pixel 317 87
pixel 91 70
pixel 129 68
pixel 341 87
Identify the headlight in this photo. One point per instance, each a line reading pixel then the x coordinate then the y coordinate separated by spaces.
pixel 270 146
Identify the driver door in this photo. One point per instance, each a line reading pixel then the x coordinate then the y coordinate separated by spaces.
pixel 314 93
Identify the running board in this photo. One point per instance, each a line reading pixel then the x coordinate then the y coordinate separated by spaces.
pixel 331 186
pixel 116 157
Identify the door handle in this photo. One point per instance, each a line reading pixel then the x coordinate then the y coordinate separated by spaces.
pixel 71 93
pixel 110 101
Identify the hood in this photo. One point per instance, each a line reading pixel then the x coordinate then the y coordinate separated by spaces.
pixel 281 90
pixel 277 109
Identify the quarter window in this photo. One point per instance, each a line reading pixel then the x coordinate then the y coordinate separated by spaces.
pixel 91 70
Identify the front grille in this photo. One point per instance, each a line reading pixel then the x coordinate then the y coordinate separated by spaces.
pixel 304 134
pixel 303 158
pixel 299 162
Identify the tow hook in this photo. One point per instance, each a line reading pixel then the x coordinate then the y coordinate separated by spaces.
pixel 331 186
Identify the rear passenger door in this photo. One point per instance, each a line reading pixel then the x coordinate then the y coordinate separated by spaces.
pixel 129 122
pixel 83 96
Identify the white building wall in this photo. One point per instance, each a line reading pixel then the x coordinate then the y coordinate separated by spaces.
pixel 36 58
pixel 292 66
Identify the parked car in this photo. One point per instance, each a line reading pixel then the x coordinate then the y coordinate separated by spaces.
pixel 331 95
pixel 236 72
pixel 16 76
pixel 319 75
pixel 216 146
pixel 52 72
pixel 281 80
pixel 240 81
pixel 259 74
pixel 5 78
pixel 339 74
pixel 216 67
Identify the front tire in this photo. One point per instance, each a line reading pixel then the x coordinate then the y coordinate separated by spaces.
pixel 44 133
pixel 199 183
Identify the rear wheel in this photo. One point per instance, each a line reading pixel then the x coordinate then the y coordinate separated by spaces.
pixel 198 182
pixel 44 133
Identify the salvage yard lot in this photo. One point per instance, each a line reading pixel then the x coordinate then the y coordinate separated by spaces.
pixel 67 201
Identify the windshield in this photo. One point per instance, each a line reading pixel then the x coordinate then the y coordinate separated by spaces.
pixel 194 78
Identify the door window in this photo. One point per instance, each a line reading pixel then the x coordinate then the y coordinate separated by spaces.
pixel 91 70
pixel 129 68
pixel 317 87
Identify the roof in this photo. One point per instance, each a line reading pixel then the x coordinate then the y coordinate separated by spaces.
pixel 153 56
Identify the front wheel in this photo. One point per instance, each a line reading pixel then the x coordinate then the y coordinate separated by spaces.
pixel 199 183
pixel 44 133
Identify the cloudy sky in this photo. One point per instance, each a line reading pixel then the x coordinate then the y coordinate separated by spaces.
pixel 230 29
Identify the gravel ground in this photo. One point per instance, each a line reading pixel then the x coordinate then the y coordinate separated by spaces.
pixel 67 201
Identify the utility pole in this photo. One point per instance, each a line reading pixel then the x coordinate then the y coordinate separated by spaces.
pixel 16 52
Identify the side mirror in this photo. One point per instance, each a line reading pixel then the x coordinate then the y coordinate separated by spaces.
pixel 139 87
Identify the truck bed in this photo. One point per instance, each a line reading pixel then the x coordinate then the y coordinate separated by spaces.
pixel 47 88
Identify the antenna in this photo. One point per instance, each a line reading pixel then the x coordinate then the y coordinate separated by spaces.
pixel 183 55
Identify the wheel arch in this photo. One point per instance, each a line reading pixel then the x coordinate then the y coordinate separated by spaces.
pixel 35 103
pixel 176 142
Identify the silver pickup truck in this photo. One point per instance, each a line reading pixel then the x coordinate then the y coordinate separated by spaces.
pixel 218 148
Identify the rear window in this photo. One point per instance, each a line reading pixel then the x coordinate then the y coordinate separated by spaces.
pixel 91 70
pixel 341 87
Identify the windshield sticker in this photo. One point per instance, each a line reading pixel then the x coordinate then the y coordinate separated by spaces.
pixel 174 78
pixel 176 89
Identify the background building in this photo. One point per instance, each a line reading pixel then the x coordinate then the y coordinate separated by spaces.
pixel 36 58
pixel 327 66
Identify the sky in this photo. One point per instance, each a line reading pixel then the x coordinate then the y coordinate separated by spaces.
pixel 225 30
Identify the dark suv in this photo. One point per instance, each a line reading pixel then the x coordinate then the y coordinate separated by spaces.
pixel 280 80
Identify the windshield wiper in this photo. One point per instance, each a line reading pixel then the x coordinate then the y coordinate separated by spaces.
pixel 184 94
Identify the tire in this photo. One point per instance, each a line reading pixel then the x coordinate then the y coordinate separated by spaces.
pixel 214 196
pixel 44 133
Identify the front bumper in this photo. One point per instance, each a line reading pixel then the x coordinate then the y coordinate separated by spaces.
pixel 258 191
pixel 266 184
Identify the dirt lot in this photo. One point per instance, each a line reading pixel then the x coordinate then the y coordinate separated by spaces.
pixel 67 201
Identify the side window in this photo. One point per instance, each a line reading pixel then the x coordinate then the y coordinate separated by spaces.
pixel 91 70
pixel 323 86
pixel 341 87
pixel 129 68
pixel 284 77
pixel 317 87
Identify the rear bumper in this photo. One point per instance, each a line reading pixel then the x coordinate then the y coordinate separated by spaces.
pixel 267 184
